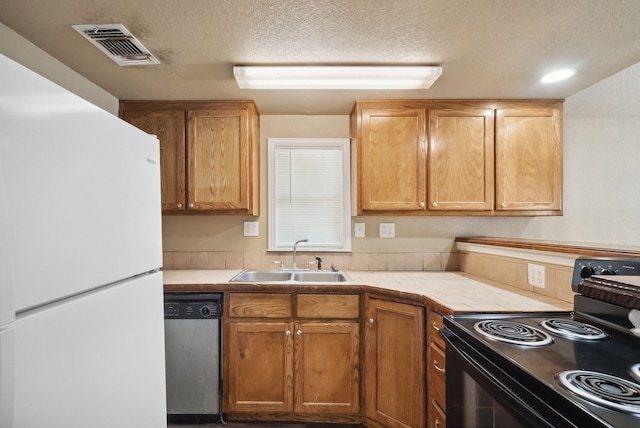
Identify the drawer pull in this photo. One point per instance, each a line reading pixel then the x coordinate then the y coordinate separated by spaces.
pixel 435 364
pixel 435 326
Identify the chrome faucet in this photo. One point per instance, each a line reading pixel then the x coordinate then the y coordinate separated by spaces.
pixel 294 251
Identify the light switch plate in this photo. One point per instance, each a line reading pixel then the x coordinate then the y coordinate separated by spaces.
pixel 359 230
pixel 251 228
pixel 387 230
pixel 535 275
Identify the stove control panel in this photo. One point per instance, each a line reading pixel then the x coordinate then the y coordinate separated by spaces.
pixel 586 267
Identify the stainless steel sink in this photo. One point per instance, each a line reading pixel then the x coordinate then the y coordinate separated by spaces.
pixel 262 276
pixel 289 276
pixel 319 277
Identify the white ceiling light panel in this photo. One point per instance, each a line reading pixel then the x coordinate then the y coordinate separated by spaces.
pixel 336 77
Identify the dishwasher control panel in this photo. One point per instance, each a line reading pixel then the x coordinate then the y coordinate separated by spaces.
pixel 192 306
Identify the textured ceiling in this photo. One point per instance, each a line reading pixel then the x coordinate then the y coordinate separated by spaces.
pixel 487 48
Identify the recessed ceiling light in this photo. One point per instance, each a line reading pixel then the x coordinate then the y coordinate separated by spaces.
pixel 556 76
pixel 336 77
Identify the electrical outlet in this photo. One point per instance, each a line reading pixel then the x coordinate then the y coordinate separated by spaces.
pixel 387 230
pixel 535 274
pixel 359 230
pixel 251 228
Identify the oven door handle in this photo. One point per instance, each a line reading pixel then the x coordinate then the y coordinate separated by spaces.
pixel 486 374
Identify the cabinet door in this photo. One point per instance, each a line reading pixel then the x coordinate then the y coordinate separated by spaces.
pixel 529 159
pixel 326 367
pixel 394 364
pixel 218 169
pixel 168 126
pixel 391 159
pixel 259 367
pixel 460 171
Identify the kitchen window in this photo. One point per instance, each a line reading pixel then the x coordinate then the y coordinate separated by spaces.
pixel 309 194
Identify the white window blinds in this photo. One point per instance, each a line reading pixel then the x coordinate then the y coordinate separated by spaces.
pixel 309 194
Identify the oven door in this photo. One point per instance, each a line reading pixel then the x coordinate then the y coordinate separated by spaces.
pixel 482 395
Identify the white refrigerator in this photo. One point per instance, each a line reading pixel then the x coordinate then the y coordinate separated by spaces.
pixel 81 303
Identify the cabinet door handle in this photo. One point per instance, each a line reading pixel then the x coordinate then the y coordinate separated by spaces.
pixel 435 326
pixel 287 333
pixel 435 364
pixel 299 332
pixel 437 423
pixel 190 205
pixel 179 205
pixel 370 320
pixel 422 204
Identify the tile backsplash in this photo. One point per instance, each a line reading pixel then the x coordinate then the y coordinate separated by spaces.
pixel 513 272
pixel 343 261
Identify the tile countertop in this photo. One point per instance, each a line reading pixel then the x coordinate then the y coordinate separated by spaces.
pixel 445 292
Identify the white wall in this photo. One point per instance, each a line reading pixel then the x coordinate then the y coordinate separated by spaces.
pixel 19 49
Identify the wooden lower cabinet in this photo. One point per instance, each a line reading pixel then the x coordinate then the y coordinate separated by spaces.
pixel 295 365
pixel 437 418
pixel 436 372
pixel 394 379
pixel 326 359
pixel 260 367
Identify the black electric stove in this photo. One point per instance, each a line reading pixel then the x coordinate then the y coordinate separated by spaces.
pixel 573 369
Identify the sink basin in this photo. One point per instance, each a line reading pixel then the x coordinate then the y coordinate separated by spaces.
pixel 289 276
pixel 320 277
pixel 261 276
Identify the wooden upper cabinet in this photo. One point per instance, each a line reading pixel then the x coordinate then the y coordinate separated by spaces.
pixel 211 154
pixel 471 157
pixel 169 127
pixel 529 159
pixel 218 169
pixel 460 167
pixel 391 157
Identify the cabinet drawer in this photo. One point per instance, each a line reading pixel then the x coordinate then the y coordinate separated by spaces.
pixel 437 417
pixel 260 305
pixel 436 372
pixel 328 306
pixel 435 325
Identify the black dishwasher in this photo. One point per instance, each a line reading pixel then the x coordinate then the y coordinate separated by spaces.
pixel 192 325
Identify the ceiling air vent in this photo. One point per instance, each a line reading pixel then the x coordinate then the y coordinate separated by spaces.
pixel 118 43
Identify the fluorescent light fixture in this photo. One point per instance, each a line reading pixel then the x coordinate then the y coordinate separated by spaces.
pixel 558 75
pixel 336 77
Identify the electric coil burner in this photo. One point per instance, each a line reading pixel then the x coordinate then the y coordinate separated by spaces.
pixel 578 369
pixel 512 332
pixel 609 391
pixel 572 329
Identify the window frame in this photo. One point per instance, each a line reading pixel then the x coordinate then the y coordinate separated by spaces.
pixel 312 143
